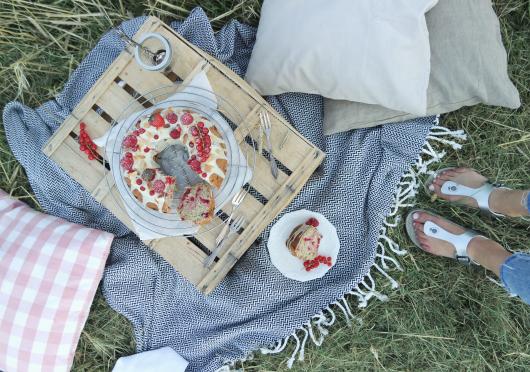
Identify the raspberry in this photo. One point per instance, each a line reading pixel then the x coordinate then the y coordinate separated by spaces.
pixel 312 222
pixel 129 142
pixel 127 163
pixel 156 136
pixel 171 117
pixel 156 120
pixel 174 134
pixel 82 126
pixel 159 186
pixel 139 181
pixel 186 118
pixel 148 174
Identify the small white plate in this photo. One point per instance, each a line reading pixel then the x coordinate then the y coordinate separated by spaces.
pixel 290 266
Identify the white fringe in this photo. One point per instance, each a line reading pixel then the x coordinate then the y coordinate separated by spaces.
pixel 366 289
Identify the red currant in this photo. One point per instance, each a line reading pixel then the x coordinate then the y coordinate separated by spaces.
pixel 186 118
pixel 174 134
pixel 171 117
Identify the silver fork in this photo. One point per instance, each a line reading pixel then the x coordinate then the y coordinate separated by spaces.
pixel 234 228
pixel 266 125
pixel 236 200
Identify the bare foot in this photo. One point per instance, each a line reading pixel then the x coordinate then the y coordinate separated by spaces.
pixel 503 201
pixel 432 245
pixel 483 251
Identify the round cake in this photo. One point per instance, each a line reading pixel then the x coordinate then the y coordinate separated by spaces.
pixel 207 154
pixel 304 241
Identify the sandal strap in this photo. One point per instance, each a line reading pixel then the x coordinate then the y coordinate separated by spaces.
pixel 460 242
pixel 481 194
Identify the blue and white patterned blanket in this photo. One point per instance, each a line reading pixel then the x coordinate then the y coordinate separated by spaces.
pixel 255 305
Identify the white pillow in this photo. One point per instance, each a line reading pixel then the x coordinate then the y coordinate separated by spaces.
pixel 370 51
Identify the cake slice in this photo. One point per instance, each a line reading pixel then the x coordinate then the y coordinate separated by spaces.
pixel 304 241
pixel 197 204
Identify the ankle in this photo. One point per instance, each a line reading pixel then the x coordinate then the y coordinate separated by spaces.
pixel 487 253
pixel 510 203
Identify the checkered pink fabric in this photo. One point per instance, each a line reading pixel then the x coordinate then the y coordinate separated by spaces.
pixel 49 272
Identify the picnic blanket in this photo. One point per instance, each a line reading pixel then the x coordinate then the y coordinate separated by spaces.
pixel 255 305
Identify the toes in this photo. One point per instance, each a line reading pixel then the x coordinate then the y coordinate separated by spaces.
pixel 418 227
pixel 447 175
pixel 421 235
pixel 421 217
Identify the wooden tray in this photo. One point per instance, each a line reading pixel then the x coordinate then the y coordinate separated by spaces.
pixel 115 90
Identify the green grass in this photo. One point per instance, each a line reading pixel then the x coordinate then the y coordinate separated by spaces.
pixel 443 317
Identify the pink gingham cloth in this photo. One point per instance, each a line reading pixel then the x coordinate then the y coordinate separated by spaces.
pixel 49 273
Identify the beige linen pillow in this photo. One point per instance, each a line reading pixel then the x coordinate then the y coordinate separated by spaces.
pixel 372 51
pixel 468 67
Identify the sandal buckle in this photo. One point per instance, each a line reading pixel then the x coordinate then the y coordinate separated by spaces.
pixel 463 259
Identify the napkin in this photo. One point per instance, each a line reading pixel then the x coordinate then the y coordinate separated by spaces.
pixel 152 225
pixel 159 360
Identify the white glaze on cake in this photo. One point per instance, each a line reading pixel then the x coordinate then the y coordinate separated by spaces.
pixel 152 134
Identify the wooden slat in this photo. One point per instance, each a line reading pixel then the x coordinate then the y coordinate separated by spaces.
pixel 262 179
pixel 143 81
pixel 183 61
pixel 115 100
pixel 75 163
pixel 104 187
pixel 96 125
pixel 207 235
pixel 185 257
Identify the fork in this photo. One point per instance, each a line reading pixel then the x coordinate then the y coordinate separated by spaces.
pixel 266 125
pixel 236 200
pixel 234 228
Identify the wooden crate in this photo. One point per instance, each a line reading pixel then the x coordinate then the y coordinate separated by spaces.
pixel 106 100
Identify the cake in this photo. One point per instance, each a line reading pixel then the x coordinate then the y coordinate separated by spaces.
pixel 207 154
pixel 304 240
pixel 197 204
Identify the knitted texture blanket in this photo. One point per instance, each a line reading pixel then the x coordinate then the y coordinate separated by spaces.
pixel 255 306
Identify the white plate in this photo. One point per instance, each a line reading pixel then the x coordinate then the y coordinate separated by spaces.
pixel 281 257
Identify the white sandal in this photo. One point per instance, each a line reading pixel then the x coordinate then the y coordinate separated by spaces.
pixel 481 194
pixel 460 242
